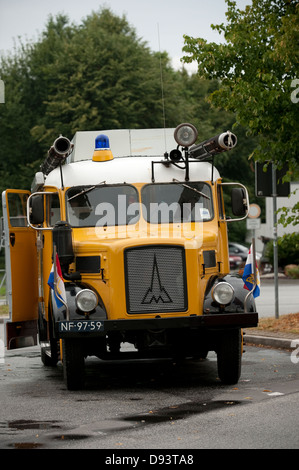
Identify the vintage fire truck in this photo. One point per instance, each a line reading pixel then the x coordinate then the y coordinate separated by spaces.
pixel 131 224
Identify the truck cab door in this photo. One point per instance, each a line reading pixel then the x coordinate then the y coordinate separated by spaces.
pixel 21 271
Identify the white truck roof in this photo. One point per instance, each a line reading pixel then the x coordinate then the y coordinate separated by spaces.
pixel 133 150
pixel 124 142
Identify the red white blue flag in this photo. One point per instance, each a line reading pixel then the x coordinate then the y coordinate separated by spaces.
pixel 248 275
pixel 59 291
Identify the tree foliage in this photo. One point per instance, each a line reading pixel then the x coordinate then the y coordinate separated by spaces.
pixel 288 249
pixel 96 75
pixel 257 66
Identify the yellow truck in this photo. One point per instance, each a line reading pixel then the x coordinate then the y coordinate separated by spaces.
pixel 121 241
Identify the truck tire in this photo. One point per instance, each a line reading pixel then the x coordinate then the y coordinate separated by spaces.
pixel 49 353
pixel 73 363
pixel 49 344
pixel 229 356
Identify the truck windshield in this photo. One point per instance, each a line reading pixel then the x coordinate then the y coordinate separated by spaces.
pixel 101 205
pixel 177 202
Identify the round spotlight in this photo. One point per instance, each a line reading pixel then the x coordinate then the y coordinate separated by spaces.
pixel 185 134
pixel 86 300
pixel 223 293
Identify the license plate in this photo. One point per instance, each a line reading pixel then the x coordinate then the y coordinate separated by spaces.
pixel 77 326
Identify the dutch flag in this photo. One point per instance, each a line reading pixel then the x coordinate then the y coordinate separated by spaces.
pixel 60 289
pixel 248 275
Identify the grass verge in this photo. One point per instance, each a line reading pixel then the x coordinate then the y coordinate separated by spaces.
pixel 284 324
pixel 3 310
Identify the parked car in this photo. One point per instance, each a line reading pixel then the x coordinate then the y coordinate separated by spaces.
pixel 235 262
pixel 236 249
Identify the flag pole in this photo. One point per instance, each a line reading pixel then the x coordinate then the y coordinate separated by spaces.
pixel 254 262
pixel 55 285
pixel 254 274
pixel 55 269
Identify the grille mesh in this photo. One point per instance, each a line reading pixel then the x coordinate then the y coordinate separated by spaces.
pixel 156 279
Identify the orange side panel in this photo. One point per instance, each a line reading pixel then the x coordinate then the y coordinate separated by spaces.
pixel 24 275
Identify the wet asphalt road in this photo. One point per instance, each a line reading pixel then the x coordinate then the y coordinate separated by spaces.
pixel 147 404
pixel 155 404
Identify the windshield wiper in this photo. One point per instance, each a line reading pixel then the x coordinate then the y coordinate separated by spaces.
pixel 84 191
pixel 193 189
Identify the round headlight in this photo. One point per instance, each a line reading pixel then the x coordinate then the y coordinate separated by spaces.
pixel 86 300
pixel 223 293
pixel 185 134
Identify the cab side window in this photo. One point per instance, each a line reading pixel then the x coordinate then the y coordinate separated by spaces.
pixel 53 209
pixel 17 203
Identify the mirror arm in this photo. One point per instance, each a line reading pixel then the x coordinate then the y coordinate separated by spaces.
pixel 28 211
pixel 246 202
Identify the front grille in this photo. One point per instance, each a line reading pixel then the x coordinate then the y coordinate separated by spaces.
pixel 156 279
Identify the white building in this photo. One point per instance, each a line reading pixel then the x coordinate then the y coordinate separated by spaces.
pixel 266 229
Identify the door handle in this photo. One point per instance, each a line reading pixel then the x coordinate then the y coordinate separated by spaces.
pixel 12 238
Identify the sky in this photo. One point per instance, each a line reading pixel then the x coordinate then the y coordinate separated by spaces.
pixel 160 23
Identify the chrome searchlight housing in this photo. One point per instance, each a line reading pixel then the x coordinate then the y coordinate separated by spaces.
pixel 57 154
pixel 217 144
pixel 86 300
pixel 223 293
pixel 185 134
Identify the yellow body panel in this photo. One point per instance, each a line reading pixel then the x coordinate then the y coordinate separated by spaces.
pixel 24 280
pixel 31 266
pixel 23 260
pixel 110 243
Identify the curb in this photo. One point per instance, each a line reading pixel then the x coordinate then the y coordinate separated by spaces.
pixel 274 342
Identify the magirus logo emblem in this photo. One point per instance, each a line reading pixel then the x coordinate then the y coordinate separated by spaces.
pixel 156 292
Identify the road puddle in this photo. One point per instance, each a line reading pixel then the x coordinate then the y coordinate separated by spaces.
pixel 24 424
pixel 181 411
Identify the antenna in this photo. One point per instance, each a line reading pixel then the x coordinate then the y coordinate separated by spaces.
pixel 162 88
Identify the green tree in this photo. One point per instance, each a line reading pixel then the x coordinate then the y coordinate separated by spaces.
pixel 27 81
pixel 288 250
pixel 96 75
pixel 257 66
pixel 105 78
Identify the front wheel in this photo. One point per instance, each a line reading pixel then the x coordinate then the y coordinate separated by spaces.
pixel 49 352
pixel 49 344
pixel 229 356
pixel 73 363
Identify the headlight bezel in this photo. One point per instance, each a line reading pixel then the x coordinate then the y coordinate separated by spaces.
pixel 185 134
pixel 223 293
pixel 85 304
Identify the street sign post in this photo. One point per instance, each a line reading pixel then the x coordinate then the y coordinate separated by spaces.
pixel 253 224
pixel 268 183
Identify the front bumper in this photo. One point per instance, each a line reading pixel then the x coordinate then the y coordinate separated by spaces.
pixel 199 322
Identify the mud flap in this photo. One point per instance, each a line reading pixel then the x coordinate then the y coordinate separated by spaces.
pixel 21 334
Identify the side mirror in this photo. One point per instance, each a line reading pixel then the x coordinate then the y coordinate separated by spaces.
pixel 62 238
pixel 238 202
pixel 36 216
